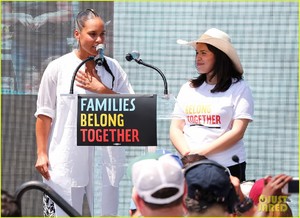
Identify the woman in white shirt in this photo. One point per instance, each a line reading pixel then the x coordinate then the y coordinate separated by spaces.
pixel 213 110
pixel 66 167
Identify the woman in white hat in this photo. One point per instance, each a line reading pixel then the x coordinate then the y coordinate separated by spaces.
pixel 213 110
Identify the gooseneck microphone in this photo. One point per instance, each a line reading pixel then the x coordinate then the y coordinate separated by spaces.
pixel 135 55
pixel 99 59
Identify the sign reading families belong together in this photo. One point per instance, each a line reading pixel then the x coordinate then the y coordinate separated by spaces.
pixel 120 120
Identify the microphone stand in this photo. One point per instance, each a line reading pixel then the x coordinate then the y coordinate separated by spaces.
pixel 76 70
pixel 139 61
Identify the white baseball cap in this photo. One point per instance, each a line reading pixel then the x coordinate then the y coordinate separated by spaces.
pixel 152 175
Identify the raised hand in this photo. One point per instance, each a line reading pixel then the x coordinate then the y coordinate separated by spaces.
pixel 25 19
pixel 40 21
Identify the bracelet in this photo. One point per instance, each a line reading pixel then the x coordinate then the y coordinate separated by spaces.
pixel 245 205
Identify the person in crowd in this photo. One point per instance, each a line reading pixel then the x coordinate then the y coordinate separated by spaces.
pixel 133 211
pixel 190 159
pixel 66 167
pixel 39 30
pixel 268 197
pixel 9 205
pixel 158 186
pixel 212 111
pixel 211 191
pixel 246 206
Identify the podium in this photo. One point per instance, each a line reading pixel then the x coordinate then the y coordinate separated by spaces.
pixel 110 184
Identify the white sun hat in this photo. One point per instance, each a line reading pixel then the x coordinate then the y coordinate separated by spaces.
pixel 220 40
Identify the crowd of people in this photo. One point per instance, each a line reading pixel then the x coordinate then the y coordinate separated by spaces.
pixel 166 186
pixel 202 187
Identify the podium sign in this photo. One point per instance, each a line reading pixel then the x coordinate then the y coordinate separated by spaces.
pixel 116 120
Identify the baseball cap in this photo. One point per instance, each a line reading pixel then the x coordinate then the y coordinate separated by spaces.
pixel 256 190
pixel 152 175
pixel 255 194
pixel 209 182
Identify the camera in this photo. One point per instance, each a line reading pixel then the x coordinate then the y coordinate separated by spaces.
pixel 292 186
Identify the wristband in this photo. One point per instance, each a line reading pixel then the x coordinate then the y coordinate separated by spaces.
pixel 245 205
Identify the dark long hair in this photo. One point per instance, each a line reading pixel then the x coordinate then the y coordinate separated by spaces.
pixel 223 69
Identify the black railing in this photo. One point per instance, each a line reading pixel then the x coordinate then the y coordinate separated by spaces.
pixel 47 190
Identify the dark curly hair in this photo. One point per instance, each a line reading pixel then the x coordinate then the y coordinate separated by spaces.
pixel 205 199
pixel 9 205
pixel 191 158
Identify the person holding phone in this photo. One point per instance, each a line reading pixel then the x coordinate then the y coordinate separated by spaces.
pixel 268 196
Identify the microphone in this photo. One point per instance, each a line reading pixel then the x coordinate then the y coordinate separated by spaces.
pixel 236 159
pixel 134 55
pixel 99 59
